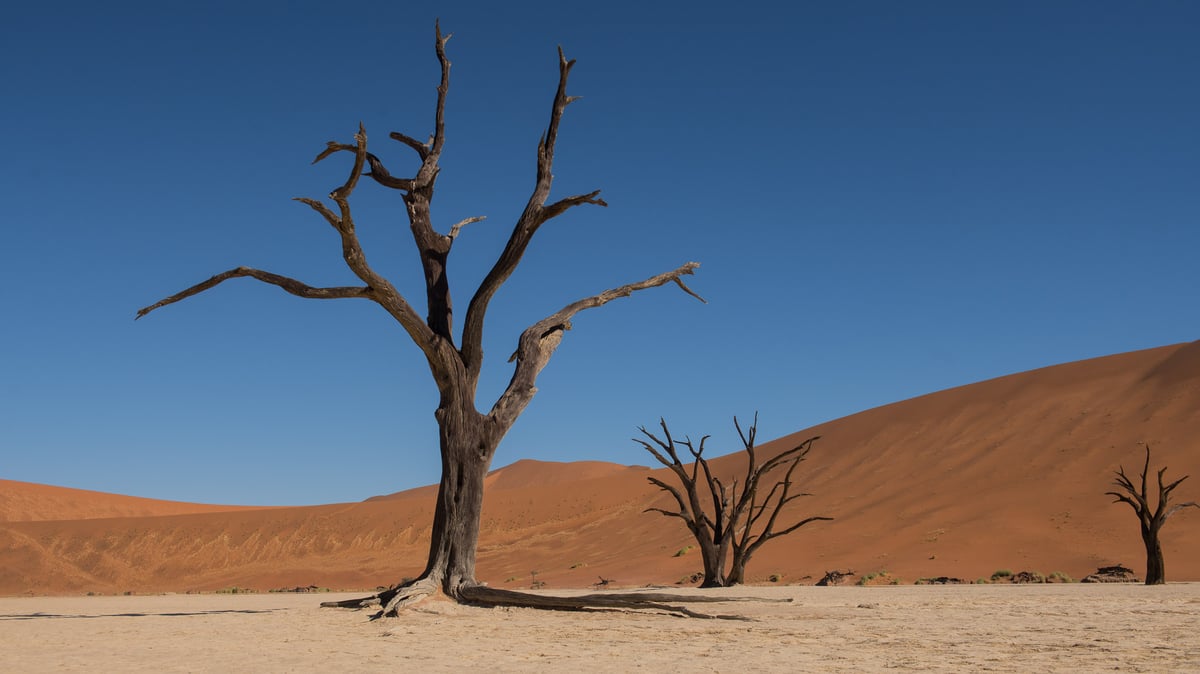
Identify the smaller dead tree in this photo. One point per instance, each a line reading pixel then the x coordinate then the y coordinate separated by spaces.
pixel 728 523
pixel 1151 519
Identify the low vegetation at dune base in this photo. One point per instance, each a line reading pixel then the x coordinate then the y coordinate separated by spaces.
pixel 879 578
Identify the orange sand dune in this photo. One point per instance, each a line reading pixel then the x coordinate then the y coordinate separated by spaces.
pixel 25 502
pixel 1007 473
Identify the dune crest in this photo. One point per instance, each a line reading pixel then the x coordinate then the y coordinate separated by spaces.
pixel 29 502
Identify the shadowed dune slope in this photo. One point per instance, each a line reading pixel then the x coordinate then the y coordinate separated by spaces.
pixel 1007 473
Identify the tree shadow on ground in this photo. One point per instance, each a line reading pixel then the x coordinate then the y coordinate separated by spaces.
pixel 40 616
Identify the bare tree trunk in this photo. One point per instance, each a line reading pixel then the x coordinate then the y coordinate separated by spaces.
pixel 1156 573
pixel 737 573
pixel 714 565
pixel 467 452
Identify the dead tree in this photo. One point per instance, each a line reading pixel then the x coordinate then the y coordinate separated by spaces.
pixel 1150 519
pixel 727 523
pixel 468 437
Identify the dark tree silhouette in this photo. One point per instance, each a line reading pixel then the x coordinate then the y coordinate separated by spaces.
pixel 468 437
pixel 1150 518
pixel 728 524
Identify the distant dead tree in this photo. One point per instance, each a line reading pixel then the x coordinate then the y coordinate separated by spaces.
pixel 728 524
pixel 468 437
pixel 1150 518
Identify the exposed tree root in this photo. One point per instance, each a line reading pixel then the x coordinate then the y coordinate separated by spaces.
pixel 481 595
pixel 397 598
pixel 406 595
pixel 391 600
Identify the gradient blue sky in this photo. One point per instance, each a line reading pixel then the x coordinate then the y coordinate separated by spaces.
pixel 887 198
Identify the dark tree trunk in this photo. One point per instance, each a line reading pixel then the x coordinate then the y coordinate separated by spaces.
pixel 467 449
pixel 1156 573
pixel 737 573
pixel 714 566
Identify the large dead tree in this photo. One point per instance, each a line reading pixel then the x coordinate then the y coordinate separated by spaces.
pixel 729 524
pixel 1150 518
pixel 468 437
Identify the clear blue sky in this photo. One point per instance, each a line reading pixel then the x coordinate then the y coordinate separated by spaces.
pixel 887 198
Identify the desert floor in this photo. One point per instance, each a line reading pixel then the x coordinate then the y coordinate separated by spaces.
pixel 927 628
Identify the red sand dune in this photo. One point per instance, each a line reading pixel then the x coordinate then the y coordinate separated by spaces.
pixel 29 502
pixel 1007 473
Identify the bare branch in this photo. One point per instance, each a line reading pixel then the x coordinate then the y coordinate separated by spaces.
pixel 535 214
pixel 802 450
pixel 289 284
pixel 1170 487
pixel 421 148
pixel 717 492
pixel 463 223
pixel 341 194
pixel 667 446
pixel 561 101
pixel 1135 499
pixel 783 498
pixel 1179 506
pixel 538 342
pixel 1146 469
pixel 430 157
pixel 670 513
pixel 321 208
pixel 432 247
pixel 331 147
pixel 747 441
pixel 381 175
pixel 381 289
pixel 683 513
pixel 559 207
pixel 807 520
pixel 700 518
pixel 1123 499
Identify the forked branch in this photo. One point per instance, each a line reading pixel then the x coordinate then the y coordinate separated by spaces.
pixel 538 342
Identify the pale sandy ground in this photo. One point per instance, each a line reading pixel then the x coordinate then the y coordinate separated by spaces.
pixel 1048 628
